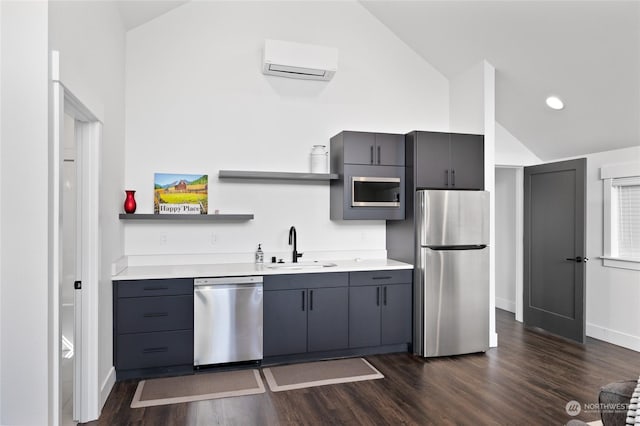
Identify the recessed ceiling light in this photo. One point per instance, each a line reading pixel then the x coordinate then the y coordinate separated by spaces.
pixel 555 102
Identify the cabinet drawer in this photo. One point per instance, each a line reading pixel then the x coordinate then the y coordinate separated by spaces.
pixel 142 288
pixel 144 350
pixel 163 313
pixel 380 277
pixel 317 280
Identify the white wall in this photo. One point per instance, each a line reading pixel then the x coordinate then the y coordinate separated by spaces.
pixel 613 294
pixel 505 197
pixel 91 41
pixel 197 102
pixel 472 110
pixel 23 212
pixel 510 151
pixel 466 105
pixel 1 238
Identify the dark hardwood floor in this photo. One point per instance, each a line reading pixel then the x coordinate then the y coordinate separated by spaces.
pixel 527 379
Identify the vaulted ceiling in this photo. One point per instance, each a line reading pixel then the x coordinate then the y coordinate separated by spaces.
pixel 586 52
pixel 138 12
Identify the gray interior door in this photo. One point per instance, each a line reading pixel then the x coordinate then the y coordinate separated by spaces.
pixel 554 248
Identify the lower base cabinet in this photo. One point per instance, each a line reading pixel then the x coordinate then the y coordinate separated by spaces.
pixel 153 327
pixel 327 319
pixel 396 319
pixel 303 319
pixel 380 308
pixel 327 313
pixel 379 315
pixel 305 316
pixel 285 322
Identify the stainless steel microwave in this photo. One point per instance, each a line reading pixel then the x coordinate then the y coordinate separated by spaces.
pixel 375 191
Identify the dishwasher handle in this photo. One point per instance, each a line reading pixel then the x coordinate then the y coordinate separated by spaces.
pixel 227 281
pixel 221 287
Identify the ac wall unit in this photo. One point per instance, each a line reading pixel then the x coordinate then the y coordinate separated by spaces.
pixel 297 60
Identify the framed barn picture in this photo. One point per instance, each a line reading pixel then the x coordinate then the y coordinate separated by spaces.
pixel 180 193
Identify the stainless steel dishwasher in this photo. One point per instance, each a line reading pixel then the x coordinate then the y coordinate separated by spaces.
pixel 227 320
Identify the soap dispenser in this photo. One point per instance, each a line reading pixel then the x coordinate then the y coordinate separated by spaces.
pixel 259 255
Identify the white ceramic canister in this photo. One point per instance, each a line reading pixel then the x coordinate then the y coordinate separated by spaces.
pixel 319 159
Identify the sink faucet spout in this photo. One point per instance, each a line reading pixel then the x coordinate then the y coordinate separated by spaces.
pixel 293 240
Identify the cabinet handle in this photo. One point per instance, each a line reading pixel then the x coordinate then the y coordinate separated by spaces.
pixel 311 300
pixel 378 154
pixel 156 314
pixel 380 278
pixel 453 177
pixel 446 177
pixel 371 154
pixel 155 288
pixel 303 299
pixel 377 296
pixel 384 295
pixel 155 350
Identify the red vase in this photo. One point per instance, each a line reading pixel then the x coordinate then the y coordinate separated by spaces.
pixel 130 202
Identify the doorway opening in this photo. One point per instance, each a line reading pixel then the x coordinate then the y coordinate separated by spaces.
pixel 70 270
pixel 74 256
pixel 509 238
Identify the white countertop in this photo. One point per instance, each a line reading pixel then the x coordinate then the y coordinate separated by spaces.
pixel 245 269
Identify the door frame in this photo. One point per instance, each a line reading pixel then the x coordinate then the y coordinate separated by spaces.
pixel 86 395
pixel 519 238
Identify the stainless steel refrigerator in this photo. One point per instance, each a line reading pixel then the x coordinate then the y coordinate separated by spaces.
pixel 452 272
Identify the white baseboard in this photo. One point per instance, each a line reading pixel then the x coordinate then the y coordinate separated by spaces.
pixel 612 336
pixel 107 385
pixel 506 305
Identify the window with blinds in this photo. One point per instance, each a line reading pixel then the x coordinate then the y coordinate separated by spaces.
pixel 621 215
pixel 627 200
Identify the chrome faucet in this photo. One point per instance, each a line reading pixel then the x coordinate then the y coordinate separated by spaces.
pixel 293 240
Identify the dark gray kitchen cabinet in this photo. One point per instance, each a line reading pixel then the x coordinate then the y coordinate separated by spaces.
pixel 445 160
pixel 431 160
pixel 467 161
pixel 285 322
pixel 370 168
pixel 396 321
pixel 152 327
pixel 305 313
pixel 364 316
pixel 382 149
pixel 327 319
pixel 380 308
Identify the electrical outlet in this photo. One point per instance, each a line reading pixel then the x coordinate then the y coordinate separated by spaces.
pixel 163 238
pixel 214 238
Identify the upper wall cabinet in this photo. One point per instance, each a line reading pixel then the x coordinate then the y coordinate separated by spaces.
pixel 381 149
pixel 370 169
pixel 446 160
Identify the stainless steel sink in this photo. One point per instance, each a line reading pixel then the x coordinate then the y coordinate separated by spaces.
pixel 301 265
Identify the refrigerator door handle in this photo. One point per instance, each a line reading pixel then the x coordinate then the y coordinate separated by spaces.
pixel 464 247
